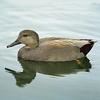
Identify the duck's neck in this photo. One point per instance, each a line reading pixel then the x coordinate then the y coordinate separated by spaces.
pixel 34 44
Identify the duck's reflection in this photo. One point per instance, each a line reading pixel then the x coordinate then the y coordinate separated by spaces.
pixel 30 69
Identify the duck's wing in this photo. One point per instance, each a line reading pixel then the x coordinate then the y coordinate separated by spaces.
pixel 85 45
pixel 42 40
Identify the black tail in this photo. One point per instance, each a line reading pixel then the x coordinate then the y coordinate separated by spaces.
pixel 86 48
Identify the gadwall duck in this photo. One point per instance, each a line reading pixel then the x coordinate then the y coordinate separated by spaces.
pixel 51 48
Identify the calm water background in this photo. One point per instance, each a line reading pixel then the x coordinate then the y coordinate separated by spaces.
pixel 64 18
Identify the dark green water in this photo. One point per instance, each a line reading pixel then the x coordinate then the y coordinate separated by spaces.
pixel 25 80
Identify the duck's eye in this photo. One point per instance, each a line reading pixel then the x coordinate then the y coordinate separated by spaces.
pixel 25 35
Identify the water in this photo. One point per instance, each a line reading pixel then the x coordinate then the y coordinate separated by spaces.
pixel 49 81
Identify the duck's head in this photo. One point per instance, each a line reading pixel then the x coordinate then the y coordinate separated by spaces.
pixel 28 37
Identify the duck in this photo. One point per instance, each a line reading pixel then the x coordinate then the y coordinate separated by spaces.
pixel 52 49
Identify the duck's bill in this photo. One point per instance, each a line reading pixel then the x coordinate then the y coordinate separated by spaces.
pixel 13 44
